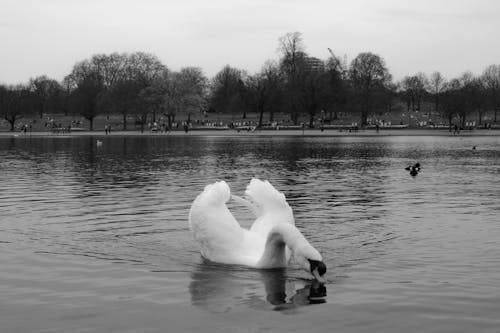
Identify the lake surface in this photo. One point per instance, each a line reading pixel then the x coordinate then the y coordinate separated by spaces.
pixel 96 239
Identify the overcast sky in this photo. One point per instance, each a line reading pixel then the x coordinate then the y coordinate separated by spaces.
pixel 48 36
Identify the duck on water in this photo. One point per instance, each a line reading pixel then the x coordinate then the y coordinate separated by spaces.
pixel 414 169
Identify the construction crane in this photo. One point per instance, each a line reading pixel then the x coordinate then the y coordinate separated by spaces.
pixel 342 64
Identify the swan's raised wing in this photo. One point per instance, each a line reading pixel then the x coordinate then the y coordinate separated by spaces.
pixel 271 206
pixel 267 200
pixel 214 227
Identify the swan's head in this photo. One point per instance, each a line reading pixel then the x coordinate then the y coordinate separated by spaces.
pixel 317 269
pixel 311 261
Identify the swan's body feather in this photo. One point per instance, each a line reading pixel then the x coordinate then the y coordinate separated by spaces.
pixel 269 241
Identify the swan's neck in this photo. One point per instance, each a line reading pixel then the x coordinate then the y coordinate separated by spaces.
pixel 279 238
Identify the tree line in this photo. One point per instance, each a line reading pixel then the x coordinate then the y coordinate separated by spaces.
pixel 296 84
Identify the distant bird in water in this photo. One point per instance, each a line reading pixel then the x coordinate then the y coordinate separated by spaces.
pixel 474 148
pixel 414 169
pixel 99 143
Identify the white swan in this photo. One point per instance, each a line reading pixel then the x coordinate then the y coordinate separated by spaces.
pixel 270 241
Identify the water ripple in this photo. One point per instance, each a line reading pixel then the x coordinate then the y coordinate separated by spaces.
pixel 421 248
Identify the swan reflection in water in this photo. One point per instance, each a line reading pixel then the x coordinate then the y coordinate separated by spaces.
pixel 220 288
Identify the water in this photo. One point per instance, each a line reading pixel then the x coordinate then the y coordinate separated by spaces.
pixel 95 239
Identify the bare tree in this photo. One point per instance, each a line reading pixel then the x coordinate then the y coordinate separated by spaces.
pixel 421 88
pixel 479 97
pixel 491 79
pixel 15 103
pixel 462 97
pixel 123 98
pixel 467 96
pixel 193 85
pixel 228 91
pixel 437 84
pixel 414 89
pixel 113 82
pixel 186 91
pixel 314 87
pixel 369 77
pixel 337 82
pixel 264 90
pixel 47 94
pixel 146 69
pixel 451 101
pixel 87 82
pixel 292 51
pixel 406 86
pixel 152 97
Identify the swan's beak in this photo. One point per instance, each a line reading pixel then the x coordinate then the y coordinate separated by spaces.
pixel 317 269
pixel 321 279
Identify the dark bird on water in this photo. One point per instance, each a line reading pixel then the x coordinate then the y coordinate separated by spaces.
pixel 414 169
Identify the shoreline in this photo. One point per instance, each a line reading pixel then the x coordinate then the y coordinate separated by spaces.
pixel 291 133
